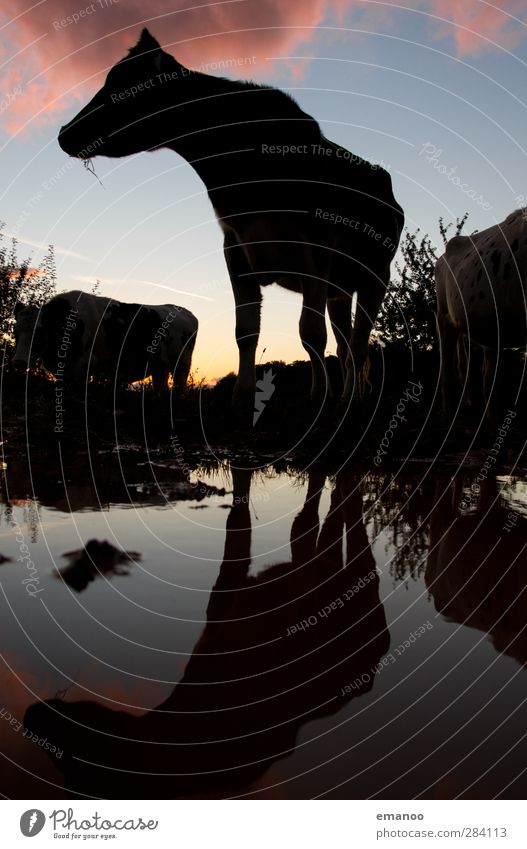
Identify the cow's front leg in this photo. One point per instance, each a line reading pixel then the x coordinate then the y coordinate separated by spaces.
pixel 234 569
pixel 248 301
pixel 314 336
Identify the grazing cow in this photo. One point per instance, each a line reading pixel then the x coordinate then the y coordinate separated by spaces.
pixel 77 335
pixel 295 208
pixel 481 299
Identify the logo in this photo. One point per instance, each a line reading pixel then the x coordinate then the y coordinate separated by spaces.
pixel 264 389
pixel 32 822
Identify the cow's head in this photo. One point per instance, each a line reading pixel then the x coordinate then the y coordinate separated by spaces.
pixel 29 336
pixel 129 113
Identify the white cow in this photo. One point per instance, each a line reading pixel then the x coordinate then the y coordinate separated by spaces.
pixel 481 298
pixel 77 335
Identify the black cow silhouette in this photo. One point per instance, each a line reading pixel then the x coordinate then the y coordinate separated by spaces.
pixel 295 208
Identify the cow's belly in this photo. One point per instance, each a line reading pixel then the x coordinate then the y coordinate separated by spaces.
pixel 126 368
pixel 276 247
pixel 487 317
pixel 493 331
pixel 284 249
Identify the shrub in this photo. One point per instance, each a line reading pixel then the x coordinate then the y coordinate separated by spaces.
pixel 408 315
pixel 19 281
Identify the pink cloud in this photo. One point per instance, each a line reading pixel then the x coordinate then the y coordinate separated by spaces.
pixel 477 25
pixel 56 53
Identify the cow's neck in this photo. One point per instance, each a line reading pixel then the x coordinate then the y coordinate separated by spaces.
pixel 223 121
pixel 193 129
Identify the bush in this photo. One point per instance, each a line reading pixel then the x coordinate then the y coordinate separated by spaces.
pixel 408 315
pixel 19 281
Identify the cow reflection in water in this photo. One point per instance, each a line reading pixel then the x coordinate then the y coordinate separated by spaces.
pixel 477 569
pixel 256 675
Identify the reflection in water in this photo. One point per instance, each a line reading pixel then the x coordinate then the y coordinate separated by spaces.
pixel 110 479
pixel 266 700
pixel 398 508
pixel 278 650
pixel 96 558
pixel 476 569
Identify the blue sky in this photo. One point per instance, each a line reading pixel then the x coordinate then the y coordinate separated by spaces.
pixel 401 92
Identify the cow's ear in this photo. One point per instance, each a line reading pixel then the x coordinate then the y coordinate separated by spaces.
pixel 149 45
pixel 148 42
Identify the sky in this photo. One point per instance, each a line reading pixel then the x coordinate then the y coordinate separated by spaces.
pixel 434 90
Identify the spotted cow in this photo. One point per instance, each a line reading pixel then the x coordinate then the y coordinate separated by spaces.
pixel 481 300
pixel 77 335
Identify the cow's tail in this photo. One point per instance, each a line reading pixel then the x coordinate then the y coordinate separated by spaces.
pixel 363 379
pixel 462 362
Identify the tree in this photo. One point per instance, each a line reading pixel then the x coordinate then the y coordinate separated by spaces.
pixel 408 314
pixel 19 281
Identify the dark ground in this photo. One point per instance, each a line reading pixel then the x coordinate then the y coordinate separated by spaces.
pixel 399 421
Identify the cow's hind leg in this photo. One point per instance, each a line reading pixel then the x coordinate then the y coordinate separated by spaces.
pixel 182 368
pixel 314 336
pixel 369 300
pixel 339 310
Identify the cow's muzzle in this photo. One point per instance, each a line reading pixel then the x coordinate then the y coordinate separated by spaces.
pixel 68 141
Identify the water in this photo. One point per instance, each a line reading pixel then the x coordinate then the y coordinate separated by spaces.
pixel 365 637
